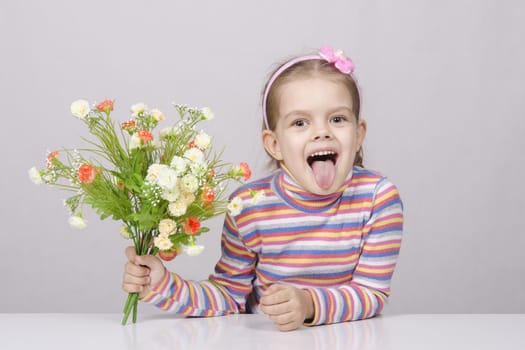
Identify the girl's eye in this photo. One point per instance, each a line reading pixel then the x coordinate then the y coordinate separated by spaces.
pixel 299 123
pixel 338 119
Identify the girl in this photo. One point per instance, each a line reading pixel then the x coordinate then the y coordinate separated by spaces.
pixel 319 241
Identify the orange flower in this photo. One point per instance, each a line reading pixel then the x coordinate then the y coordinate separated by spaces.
pixel 192 144
pixel 245 170
pixel 86 173
pixel 51 158
pixel 145 135
pixel 207 195
pixel 105 106
pixel 191 225
pixel 128 125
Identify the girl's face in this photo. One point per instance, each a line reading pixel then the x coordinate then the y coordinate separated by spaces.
pixel 316 135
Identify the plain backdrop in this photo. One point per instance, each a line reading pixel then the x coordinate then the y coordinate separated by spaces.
pixel 443 95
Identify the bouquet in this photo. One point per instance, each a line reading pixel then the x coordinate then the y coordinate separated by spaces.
pixel 161 188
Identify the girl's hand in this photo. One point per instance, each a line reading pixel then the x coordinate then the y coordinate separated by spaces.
pixel 288 307
pixel 141 273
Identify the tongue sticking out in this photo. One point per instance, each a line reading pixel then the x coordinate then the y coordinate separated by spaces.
pixel 324 173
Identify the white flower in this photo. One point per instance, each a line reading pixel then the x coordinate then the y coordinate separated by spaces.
pixel 157 115
pixel 167 226
pixel 170 194
pixel 166 132
pixel 80 109
pixel 198 168
pixel 235 206
pixel 190 183
pixel 179 164
pixel 194 155
pixel 77 222
pixel 202 140
pixel 177 208
pixel 207 113
pixel 193 250
pixel 35 176
pixel 124 232
pixel 153 172
pixel 162 242
pixel 135 141
pixel 257 197
pixel 167 178
pixel 137 109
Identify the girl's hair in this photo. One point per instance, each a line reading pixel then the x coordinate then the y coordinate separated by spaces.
pixel 303 69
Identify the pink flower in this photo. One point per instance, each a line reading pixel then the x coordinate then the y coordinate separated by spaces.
pixel 145 135
pixel 86 173
pixel 105 106
pixel 245 171
pixel 340 61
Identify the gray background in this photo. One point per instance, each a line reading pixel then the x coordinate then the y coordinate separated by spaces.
pixel 443 96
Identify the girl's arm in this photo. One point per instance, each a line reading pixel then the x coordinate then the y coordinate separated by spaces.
pixel 366 295
pixel 223 293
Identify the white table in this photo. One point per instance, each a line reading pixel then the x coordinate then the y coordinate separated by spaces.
pixel 103 331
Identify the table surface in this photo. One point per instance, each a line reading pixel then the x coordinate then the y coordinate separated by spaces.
pixel 103 331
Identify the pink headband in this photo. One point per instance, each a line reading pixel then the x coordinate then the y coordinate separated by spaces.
pixel 326 53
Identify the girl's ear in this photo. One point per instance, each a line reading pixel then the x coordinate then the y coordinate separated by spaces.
pixel 271 144
pixel 361 131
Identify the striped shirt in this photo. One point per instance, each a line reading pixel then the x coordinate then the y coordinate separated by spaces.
pixel 342 248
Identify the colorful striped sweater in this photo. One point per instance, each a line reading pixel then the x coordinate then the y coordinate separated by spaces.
pixel 341 248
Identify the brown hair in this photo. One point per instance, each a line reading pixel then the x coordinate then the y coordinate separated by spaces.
pixel 306 69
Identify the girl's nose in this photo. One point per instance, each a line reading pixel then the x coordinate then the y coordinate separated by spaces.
pixel 322 132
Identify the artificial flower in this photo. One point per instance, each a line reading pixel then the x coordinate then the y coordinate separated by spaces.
pixel 207 195
pixel 257 197
pixel 167 226
pixel 167 178
pixel 179 164
pixel 86 173
pixel 191 225
pixel 177 208
pixel 125 232
pixel 235 207
pixel 245 170
pixel 138 109
pixel 202 140
pixel 162 242
pixel 145 135
pixel 80 109
pixel 78 222
pixel 207 113
pixel 157 115
pixel 105 106
pixel 193 250
pixel 190 183
pixel 35 176
pixel 194 155
pixel 160 188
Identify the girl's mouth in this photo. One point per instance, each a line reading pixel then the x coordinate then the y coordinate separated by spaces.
pixel 323 166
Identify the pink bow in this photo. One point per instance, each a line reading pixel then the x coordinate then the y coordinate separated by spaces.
pixel 338 58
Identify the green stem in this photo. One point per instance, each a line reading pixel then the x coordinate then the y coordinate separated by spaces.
pixel 131 305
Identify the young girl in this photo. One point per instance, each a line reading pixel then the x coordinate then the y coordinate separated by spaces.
pixel 320 242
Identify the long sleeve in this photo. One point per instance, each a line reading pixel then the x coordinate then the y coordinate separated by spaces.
pixel 225 292
pixel 366 294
